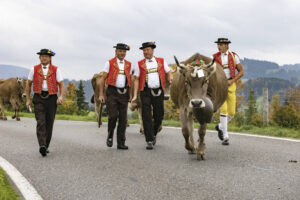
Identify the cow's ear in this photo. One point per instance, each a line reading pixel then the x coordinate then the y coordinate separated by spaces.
pixel 19 80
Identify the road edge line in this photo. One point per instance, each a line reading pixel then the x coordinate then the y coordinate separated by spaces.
pixel 25 188
pixel 240 134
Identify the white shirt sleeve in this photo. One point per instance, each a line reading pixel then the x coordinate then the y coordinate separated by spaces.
pixel 166 66
pixel 59 77
pixel 237 59
pixel 137 71
pixel 106 67
pixel 30 76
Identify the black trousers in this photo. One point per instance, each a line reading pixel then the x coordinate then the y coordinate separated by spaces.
pixel 152 104
pixel 44 110
pixel 116 105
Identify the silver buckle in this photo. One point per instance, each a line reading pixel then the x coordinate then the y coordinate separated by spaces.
pixel 46 97
pixel 155 95
pixel 120 92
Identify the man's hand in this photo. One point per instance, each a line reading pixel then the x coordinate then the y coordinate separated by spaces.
pixel 230 82
pixel 170 77
pixel 133 101
pixel 60 100
pixel 101 99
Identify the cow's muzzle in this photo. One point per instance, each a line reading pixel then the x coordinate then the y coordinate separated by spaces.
pixel 197 103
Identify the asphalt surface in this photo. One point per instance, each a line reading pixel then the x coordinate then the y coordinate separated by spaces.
pixel 80 166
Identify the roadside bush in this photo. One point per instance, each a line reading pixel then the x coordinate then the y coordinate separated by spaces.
pixel 239 119
pixel 257 120
pixel 287 116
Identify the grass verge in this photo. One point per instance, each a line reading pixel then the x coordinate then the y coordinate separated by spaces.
pixel 6 191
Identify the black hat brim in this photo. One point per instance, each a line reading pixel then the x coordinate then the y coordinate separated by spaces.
pixel 152 46
pixel 121 48
pixel 49 54
pixel 217 42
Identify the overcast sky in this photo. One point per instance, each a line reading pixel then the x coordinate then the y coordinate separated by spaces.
pixel 83 32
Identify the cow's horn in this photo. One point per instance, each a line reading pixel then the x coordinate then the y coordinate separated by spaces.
pixel 212 62
pixel 177 63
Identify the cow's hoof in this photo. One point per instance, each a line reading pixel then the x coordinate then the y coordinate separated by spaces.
pixel 142 131
pixel 5 118
pixel 200 157
pixel 18 119
pixel 13 117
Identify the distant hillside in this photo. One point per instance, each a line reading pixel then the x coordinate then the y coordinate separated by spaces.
pixel 274 85
pixel 264 69
pixel 8 71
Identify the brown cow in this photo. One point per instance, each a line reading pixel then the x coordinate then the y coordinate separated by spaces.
pixel 199 90
pixel 11 91
pixel 95 98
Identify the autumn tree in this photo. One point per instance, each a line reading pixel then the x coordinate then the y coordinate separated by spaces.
pixel 69 105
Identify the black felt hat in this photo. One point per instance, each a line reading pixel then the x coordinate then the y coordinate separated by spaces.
pixel 46 52
pixel 223 40
pixel 148 44
pixel 122 46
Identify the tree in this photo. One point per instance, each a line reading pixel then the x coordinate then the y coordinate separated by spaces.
pixel 293 97
pixel 171 112
pixel 239 93
pixel 275 105
pixel 80 97
pixel 69 105
pixel 287 116
pixel 252 108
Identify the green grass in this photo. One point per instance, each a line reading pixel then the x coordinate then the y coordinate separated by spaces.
pixel 269 130
pixel 6 191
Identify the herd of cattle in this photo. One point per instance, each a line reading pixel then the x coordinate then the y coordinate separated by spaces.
pixel 198 90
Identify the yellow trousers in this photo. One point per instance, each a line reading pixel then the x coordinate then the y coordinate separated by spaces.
pixel 229 106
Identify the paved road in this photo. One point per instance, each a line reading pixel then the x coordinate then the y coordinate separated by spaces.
pixel 80 166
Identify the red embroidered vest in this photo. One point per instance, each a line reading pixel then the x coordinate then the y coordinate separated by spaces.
pixel 38 78
pixel 231 61
pixel 114 72
pixel 160 70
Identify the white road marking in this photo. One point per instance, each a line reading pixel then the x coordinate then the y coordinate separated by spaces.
pixel 240 134
pixel 26 189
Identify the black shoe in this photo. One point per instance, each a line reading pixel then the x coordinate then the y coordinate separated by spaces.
pixel 122 146
pixel 109 142
pixel 220 133
pixel 149 146
pixel 43 151
pixel 225 142
pixel 154 141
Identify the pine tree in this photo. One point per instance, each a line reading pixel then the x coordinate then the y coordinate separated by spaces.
pixel 252 108
pixel 80 97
